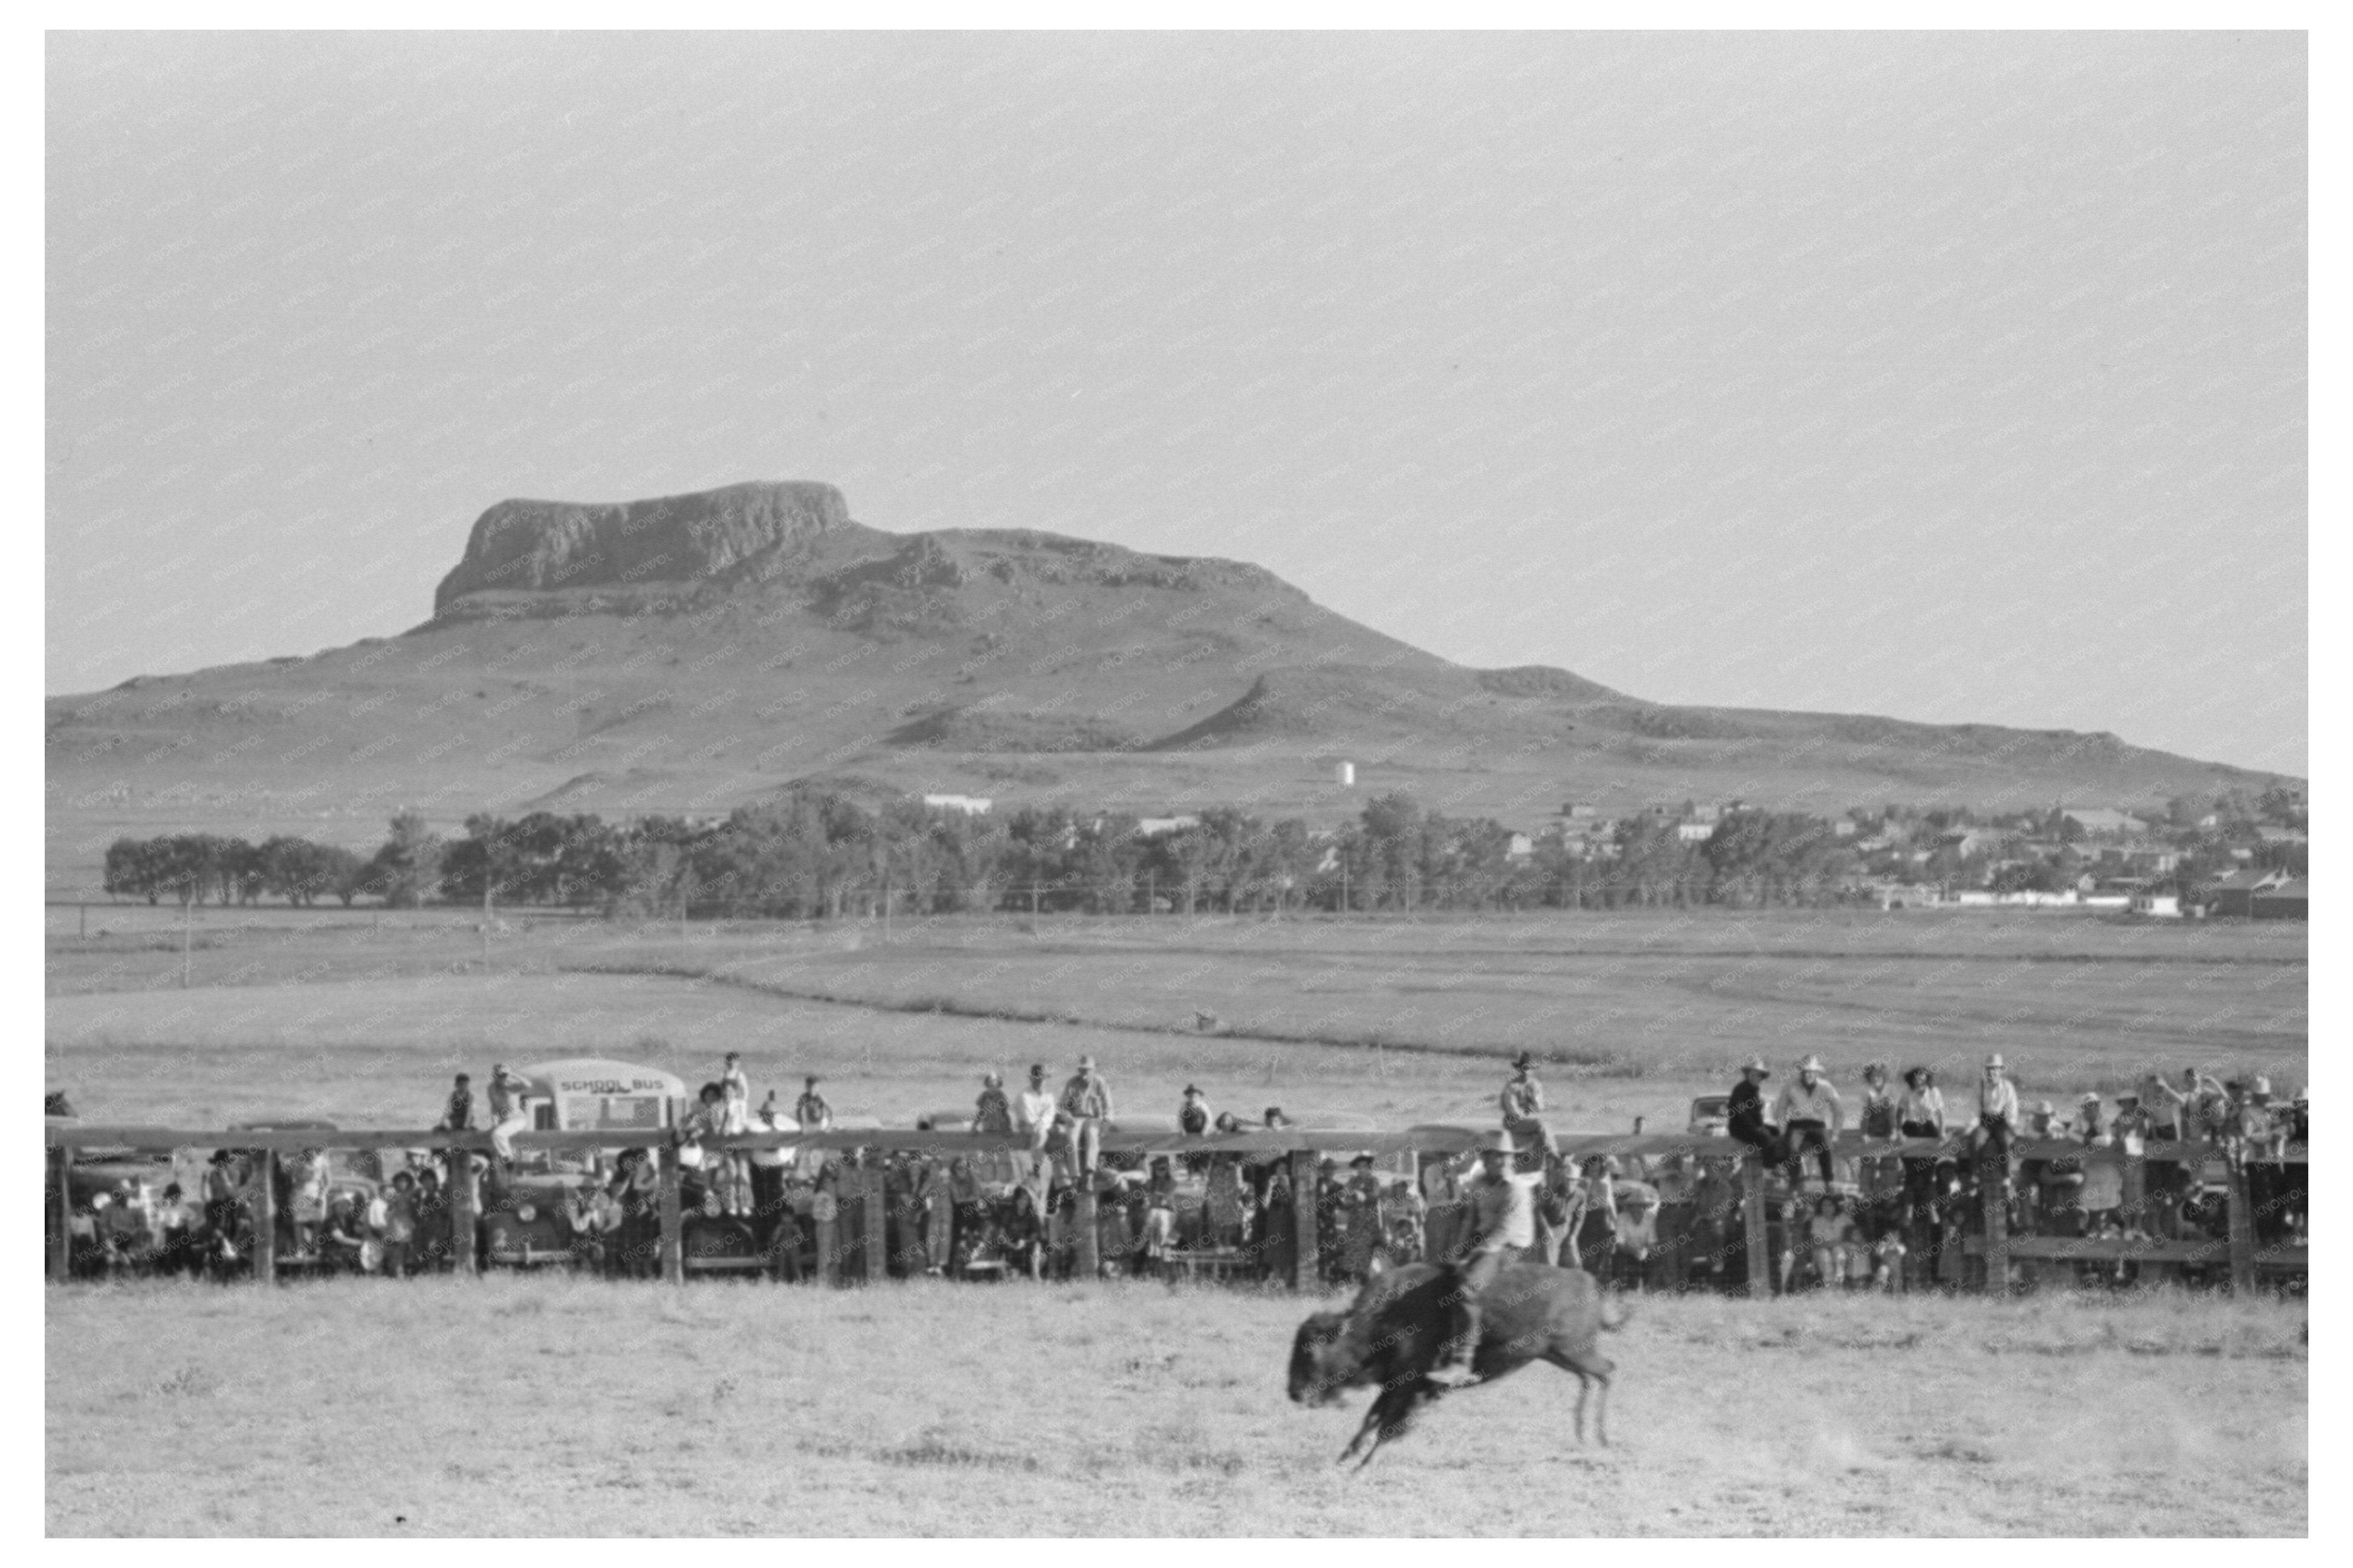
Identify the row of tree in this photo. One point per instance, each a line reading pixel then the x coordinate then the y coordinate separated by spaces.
pixel 811 854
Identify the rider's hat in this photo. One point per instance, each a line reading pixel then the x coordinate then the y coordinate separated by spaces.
pixel 1757 1064
pixel 1497 1143
pixel 1810 1064
pixel 1995 1061
pixel 1524 1060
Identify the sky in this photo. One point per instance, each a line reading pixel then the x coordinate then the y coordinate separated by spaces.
pixel 1954 377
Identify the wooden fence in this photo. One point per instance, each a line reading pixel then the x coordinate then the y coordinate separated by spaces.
pixel 2246 1258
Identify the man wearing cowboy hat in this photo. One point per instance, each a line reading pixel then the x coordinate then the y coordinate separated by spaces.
pixel 1086 1100
pixel 1810 1116
pixel 1997 1112
pixel 1522 1102
pixel 1745 1112
pixel 1502 1226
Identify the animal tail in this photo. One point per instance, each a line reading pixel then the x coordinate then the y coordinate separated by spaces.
pixel 1625 1315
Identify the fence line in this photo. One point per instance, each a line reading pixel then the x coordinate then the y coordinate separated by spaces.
pixel 1301 1145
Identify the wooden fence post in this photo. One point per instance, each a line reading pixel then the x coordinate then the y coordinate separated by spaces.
pixel 1307 1259
pixel 265 1217
pixel 464 1231
pixel 2134 1182
pixel 876 1224
pixel 61 1215
pixel 2242 1218
pixel 826 1212
pixel 1993 1209
pixel 673 1224
pixel 1087 1259
pixel 1755 1225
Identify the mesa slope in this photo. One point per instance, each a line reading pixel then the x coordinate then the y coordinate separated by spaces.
pixel 697 653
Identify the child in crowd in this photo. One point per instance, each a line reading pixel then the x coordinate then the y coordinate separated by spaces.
pixel 1828 1232
pixel 1887 1254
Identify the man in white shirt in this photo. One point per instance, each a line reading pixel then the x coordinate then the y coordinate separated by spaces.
pixel 1997 1113
pixel 1810 1115
pixel 1502 1226
pixel 1033 1115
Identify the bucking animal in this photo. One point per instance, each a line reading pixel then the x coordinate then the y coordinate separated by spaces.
pixel 1395 1331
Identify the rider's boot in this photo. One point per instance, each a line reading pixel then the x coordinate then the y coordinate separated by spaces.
pixel 1454 1368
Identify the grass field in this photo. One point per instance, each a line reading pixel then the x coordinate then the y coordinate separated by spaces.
pixel 552 1406
pixel 362 1019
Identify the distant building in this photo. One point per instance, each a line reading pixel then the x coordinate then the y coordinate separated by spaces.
pixel 1843 828
pixel 2234 894
pixel 1153 827
pixel 970 805
pixel 2159 906
pixel 2101 820
pixel 2287 900
pixel 1695 832
pixel 1522 846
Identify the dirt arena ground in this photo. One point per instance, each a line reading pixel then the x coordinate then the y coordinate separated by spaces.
pixel 546 1405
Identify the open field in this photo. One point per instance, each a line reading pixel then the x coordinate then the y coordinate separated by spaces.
pixel 552 1406
pixel 362 1018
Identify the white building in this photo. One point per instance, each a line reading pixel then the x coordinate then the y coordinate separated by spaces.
pixel 970 805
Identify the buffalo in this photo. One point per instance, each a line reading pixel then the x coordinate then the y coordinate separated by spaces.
pixel 1398 1329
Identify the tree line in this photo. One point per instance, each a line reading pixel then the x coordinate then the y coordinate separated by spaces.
pixel 811 854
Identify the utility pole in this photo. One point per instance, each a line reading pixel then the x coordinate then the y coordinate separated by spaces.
pixel 187 929
pixel 486 908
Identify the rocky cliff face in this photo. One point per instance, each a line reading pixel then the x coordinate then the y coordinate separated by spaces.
pixel 519 545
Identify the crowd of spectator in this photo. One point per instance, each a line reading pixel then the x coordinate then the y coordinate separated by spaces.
pixel 1837 1221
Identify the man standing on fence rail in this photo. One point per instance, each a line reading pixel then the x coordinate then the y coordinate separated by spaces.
pixel 1502 1226
pixel 1523 1105
pixel 1086 1098
pixel 507 1114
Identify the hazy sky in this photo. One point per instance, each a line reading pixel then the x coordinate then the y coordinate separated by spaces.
pixel 1954 377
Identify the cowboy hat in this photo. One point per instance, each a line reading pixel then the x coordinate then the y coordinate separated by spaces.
pixel 2091 1097
pixel 1497 1143
pixel 1757 1064
pixel 2263 1087
pixel 1362 1159
pixel 1812 1064
pixel 1524 1060
pixel 1192 1089
pixel 1995 1061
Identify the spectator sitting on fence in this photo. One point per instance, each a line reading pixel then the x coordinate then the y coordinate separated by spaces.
pixel 508 1115
pixel 1810 1116
pixel 992 1112
pixel 810 1111
pixel 1033 1115
pixel 2199 1104
pixel 1997 1116
pixel 458 1115
pixel 1745 1113
pixel 1877 1117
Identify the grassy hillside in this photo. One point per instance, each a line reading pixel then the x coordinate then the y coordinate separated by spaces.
pixel 1139 1410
